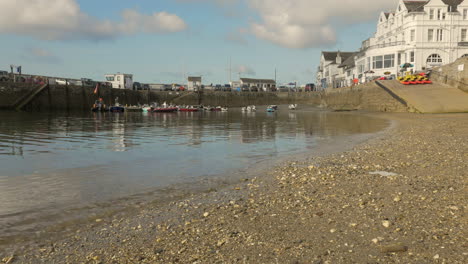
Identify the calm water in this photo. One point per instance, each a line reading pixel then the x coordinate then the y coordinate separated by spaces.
pixel 52 164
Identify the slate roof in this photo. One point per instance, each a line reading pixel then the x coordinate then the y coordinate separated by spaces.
pixel 250 80
pixel 331 55
pixel 453 3
pixel 194 79
pixel 349 62
pixel 415 6
pixel 418 6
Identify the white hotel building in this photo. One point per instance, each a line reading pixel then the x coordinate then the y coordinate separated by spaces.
pixel 422 33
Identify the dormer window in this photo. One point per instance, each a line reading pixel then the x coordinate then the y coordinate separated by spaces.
pixel 399 8
pixel 431 14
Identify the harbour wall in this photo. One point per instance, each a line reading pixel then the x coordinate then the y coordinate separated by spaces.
pixel 59 97
pixel 454 74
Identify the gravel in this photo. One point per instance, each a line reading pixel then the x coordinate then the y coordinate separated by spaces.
pixel 399 198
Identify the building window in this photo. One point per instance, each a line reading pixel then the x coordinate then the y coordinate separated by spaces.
pixel 465 14
pixel 430 35
pixel 434 58
pixel 439 34
pixel 399 58
pixel 412 56
pixel 118 78
pixel 368 63
pixel 413 34
pixel 389 61
pixel 431 14
pixel 463 34
pixel 439 14
pixel 377 62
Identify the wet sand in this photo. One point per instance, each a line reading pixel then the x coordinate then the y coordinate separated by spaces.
pixel 398 198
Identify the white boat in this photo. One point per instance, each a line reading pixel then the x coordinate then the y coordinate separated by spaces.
pixel 251 108
pixel 292 106
pixel 224 109
pixel 272 108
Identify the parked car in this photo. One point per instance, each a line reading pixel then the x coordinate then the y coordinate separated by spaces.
pixel 145 86
pixel 227 88
pixel 88 82
pixel 4 76
pixel 75 82
pixel 137 86
pixel 309 87
pixel 62 82
pixel 166 88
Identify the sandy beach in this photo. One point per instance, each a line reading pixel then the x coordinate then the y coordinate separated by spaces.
pixel 398 198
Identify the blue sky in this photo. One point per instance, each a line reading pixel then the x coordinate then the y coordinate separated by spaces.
pixel 209 34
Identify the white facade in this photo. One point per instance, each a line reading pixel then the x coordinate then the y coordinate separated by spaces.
pixel 265 85
pixel 120 80
pixel 329 74
pixel 194 83
pixel 422 33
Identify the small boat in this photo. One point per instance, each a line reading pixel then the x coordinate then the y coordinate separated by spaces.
pixel 99 106
pixel 188 109
pixel 292 106
pixel 117 109
pixel 216 109
pixel 133 109
pixel 249 108
pixel 146 109
pixel 224 109
pixel 272 108
pixel 165 110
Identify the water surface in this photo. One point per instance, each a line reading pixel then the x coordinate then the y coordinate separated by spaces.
pixel 51 164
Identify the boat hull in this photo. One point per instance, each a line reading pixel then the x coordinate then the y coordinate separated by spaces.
pixel 165 110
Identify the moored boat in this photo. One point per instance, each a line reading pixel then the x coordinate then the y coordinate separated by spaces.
pixel 133 109
pixel 292 106
pixel 272 108
pixel 188 109
pixel 165 110
pixel 117 109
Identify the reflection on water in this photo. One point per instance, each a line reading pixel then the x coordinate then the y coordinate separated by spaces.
pixel 51 163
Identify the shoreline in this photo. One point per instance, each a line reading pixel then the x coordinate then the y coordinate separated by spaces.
pixel 326 209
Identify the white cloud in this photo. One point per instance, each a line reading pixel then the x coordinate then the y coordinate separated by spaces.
pixel 63 19
pixel 40 55
pixel 308 23
pixel 242 69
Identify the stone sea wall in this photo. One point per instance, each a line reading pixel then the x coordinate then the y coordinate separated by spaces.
pixel 366 97
pixel 454 74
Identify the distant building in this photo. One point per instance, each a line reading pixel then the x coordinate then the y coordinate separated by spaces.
pixel 194 83
pixel 328 73
pixel 236 85
pixel 417 34
pixel 265 85
pixel 120 80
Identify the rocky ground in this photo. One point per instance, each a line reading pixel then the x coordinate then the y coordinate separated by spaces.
pixel 400 198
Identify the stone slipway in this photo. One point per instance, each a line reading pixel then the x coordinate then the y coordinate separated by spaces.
pixel 428 98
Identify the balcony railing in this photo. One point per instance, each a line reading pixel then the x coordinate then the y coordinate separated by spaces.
pixel 362 52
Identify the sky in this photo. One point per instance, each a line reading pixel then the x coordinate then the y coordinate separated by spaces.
pixel 164 41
